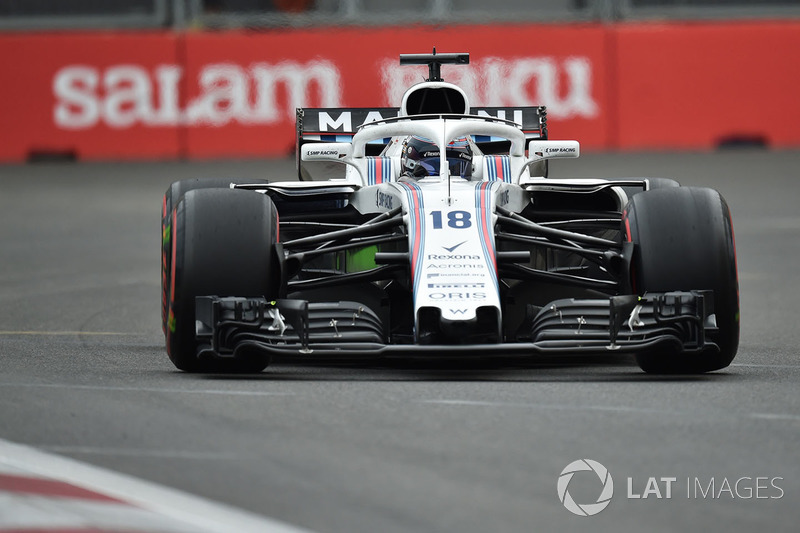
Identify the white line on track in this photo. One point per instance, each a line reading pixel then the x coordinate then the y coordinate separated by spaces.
pixel 775 416
pixel 198 514
pixel 67 333
pixel 609 409
pixel 749 365
pixel 146 389
pixel 140 452
pixel 555 407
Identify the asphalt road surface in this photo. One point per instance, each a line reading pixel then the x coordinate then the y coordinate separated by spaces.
pixel 401 447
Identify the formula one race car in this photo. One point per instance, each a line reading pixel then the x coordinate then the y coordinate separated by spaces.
pixel 441 235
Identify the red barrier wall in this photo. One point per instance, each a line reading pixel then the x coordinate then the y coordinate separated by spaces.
pixel 84 94
pixel 358 67
pixel 696 85
pixel 152 95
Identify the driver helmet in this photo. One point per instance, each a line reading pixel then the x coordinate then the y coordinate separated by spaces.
pixel 421 157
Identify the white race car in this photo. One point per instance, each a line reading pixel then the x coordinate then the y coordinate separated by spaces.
pixel 442 236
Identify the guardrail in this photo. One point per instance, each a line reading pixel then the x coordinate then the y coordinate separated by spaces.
pixel 86 14
pixel 219 14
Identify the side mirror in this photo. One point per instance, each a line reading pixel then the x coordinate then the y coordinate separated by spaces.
pixel 317 154
pixel 538 150
pixel 340 152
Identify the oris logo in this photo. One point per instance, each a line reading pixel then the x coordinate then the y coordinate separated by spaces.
pixel 123 96
pixel 605 494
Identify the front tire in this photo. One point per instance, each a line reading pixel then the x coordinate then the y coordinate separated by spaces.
pixel 652 184
pixel 222 245
pixel 172 196
pixel 683 240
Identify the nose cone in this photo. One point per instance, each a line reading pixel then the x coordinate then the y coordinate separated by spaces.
pixel 483 328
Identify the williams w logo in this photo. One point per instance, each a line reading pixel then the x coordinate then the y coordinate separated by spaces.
pixel 451 248
pixel 586 509
pixel 458 311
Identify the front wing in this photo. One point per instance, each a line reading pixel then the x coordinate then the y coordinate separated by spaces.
pixel 673 323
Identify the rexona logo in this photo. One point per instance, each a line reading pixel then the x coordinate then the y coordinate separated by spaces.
pixel 123 96
pixel 605 493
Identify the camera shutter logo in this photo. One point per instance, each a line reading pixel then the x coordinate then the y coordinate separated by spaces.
pixel 587 509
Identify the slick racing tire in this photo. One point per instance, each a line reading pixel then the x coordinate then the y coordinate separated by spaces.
pixel 171 198
pixel 652 184
pixel 683 240
pixel 222 245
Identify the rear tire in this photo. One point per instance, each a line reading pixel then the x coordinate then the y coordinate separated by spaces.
pixel 223 245
pixel 683 240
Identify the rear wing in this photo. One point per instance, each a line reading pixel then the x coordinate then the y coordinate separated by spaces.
pixel 340 124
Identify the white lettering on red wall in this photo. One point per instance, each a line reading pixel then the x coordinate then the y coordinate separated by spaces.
pixel 564 86
pixel 122 96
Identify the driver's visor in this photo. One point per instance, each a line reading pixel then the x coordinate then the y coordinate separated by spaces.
pixel 457 166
